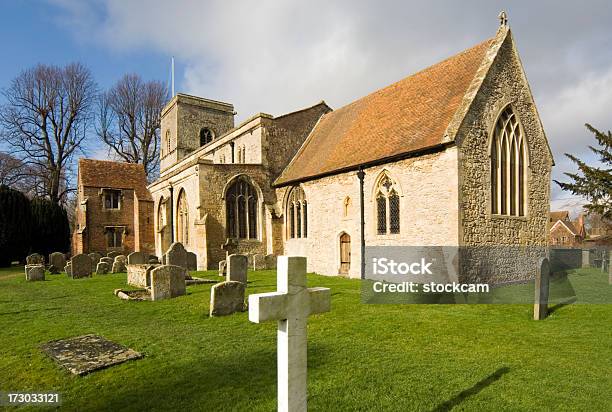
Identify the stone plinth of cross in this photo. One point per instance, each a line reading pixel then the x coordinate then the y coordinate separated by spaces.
pixel 290 306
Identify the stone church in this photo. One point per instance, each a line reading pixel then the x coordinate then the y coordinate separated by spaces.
pixel 454 155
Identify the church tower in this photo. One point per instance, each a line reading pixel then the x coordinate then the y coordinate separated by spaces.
pixel 189 122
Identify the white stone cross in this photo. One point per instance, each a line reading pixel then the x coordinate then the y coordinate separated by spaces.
pixel 290 306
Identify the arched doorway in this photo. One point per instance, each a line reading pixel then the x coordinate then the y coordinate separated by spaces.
pixel 345 254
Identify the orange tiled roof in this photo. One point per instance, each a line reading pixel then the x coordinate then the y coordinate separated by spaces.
pixel 559 215
pixel 115 175
pixel 408 116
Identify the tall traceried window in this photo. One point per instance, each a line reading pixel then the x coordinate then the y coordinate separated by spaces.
pixel 387 206
pixel 182 214
pixel 241 210
pixel 508 166
pixel 297 213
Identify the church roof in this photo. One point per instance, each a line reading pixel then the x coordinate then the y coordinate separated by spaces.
pixel 114 175
pixel 410 116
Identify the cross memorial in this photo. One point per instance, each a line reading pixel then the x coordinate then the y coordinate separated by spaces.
pixel 290 306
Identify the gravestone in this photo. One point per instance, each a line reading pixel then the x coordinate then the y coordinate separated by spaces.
pixel 192 261
pixel 113 254
pixel 35 272
pixel 119 264
pixel 167 281
pixel 153 259
pixel 95 258
pixel 222 268
pixel 237 266
pixel 140 275
pixel 176 255
pixel 102 268
pixel 137 258
pixel 258 262
pixel 109 261
pixel 586 254
pixel 81 266
pixel 290 306
pixel 57 262
pixel 270 261
pixel 35 259
pixel 68 269
pixel 540 307
pixel 227 298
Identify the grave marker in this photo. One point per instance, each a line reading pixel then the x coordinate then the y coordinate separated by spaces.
pixel 290 306
pixel 237 266
pixel 227 298
pixel 542 280
pixel 80 266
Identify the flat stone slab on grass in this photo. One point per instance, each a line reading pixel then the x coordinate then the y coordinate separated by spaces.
pixel 88 353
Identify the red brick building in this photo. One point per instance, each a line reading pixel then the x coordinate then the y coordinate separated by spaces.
pixel 114 209
pixel 565 232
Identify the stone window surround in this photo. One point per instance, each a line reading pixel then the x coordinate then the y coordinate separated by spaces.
pixel 123 235
pixel 374 206
pixel 104 191
pixel 258 209
pixel 296 202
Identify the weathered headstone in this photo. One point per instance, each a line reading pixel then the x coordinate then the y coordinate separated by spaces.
pixel 137 258
pixel 290 306
pixel 176 255
pixel 586 254
pixel 140 275
pixel 153 259
pixel 222 268
pixel 102 268
pixel 258 262
pixel 270 261
pixel 192 261
pixel 121 258
pixel 119 264
pixel 113 254
pixel 68 269
pixel 167 281
pixel 81 266
pixel 540 307
pixel 35 272
pixel 57 262
pixel 227 298
pixel 237 266
pixel 35 259
pixel 95 258
pixel 109 261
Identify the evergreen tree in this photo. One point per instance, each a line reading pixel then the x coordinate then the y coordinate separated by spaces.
pixel 594 183
pixel 50 228
pixel 15 224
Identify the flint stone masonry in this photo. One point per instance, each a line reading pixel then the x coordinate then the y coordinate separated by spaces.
pixel 167 281
pixel 35 272
pixel 176 255
pixel 57 262
pixel 102 268
pixel 35 259
pixel 227 298
pixel 542 281
pixel 137 258
pixel 192 261
pixel 81 266
pixel 84 354
pixel 237 266
pixel 140 275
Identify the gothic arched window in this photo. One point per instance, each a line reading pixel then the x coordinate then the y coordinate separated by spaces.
pixel 206 136
pixel 182 214
pixel 387 207
pixel 241 210
pixel 297 213
pixel 508 158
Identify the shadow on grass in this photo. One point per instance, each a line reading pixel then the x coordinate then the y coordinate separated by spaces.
pixel 554 308
pixel 474 390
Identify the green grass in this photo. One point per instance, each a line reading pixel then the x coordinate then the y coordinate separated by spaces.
pixel 361 357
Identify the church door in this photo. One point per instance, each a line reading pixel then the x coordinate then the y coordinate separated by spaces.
pixel 345 254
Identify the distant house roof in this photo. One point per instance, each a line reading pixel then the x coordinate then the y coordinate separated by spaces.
pixel 559 215
pixel 567 224
pixel 412 115
pixel 114 175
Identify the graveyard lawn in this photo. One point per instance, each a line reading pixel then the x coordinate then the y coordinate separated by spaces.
pixel 361 357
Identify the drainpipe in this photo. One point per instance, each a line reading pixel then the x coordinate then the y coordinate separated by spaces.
pixel 171 215
pixel 360 176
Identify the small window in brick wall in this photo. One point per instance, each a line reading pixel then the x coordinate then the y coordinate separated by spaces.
pixel 112 199
pixel 114 236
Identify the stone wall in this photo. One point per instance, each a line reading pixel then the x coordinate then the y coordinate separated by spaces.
pixel 428 211
pixel 504 84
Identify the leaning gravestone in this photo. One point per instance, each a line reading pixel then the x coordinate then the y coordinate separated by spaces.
pixel 540 307
pixel 237 266
pixel 57 262
pixel 102 268
pixel 222 268
pixel 95 258
pixel 137 258
pixel 167 281
pixel 113 254
pixel 35 272
pixel 81 266
pixel 227 298
pixel 192 261
pixel 35 259
pixel 176 255
pixel 119 264
pixel 290 306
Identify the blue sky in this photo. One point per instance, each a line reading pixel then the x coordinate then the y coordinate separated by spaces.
pixel 277 56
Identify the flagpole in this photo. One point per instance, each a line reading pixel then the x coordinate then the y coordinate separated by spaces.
pixel 172 76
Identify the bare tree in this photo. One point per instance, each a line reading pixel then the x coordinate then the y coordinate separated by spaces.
pixel 129 120
pixel 45 121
